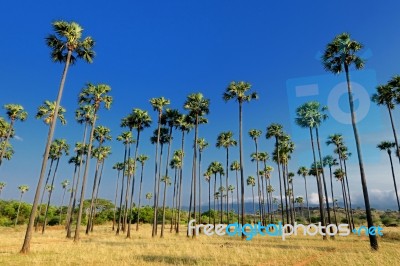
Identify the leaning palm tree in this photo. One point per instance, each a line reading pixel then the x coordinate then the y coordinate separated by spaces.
pixel 95 95
pixel 388 146
pixel 252 182
pixel 22 190
pixel 386 95
pixel 64 185
pixel 303 171
pixel 226 140
pixel 240 92
pixel 339 55
pixel 67 45
pixel 15 112
pixel 198 108
pixel 235 166
pixel 2 186
pixel 142 160
pixel 158 105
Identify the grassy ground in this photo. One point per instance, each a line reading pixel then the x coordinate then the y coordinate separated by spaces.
pixel 104 248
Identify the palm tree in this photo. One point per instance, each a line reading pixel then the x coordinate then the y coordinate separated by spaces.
pixel 303 171
pixel 388 146
pixel 225 140
pixel 252 182
pixel 59 148
pixel 64 185
pixel 2 186
pixel 231 188
pixel 22 190
pixel 254 135
pixel 198 107
pixel 330 161
pixel 119 167
pixel 8 150
pixel 202 144
pixel 15 112
pixel 67 45
pixel 207 176
pixel 386 95
pixel 141 159
pixel 235 166
pixel 95 95
pixel 175 164
pixel 149 196
pixel 339 55
pixel 306 118
pixel 339 175
pixel 215 168
pixel 267 173
pixel 158 105
pixel 167 182
pixel 47 111
pixel 239 91
pixel 275 130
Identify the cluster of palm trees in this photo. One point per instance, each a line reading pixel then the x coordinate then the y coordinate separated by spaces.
pixel 67 46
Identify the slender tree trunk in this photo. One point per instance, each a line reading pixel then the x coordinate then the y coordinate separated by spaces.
pixel 199 175
pixel 394 134
pixel 19 207
pixel 237 196
pixel 89 218
pixel 173 201
pixel 115 199
pixel 333 199
pixel 345 203
pixel 166 174
pixel 28 235
pixel 163 216
pixel 41 200
pixel 348 192
pixel 221 202
pixel 372 238
pixel 320 198
pixel 180 184
pixel 128 183
pixel 122 192
pixel 254 206
pixel 227 184
pixel 241 164
pixel 154 229
pixel 93 216
pixel 259 187
pixel 284 175
pixel 71 196
pixel 215 191
pixel 279 175
pixel 190 200
pixel 84 179
pixel 394 179
pixel 50 193
pixel 194 171
pixel 140 195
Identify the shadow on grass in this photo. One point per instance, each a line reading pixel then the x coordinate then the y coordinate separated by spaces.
pixel 185 260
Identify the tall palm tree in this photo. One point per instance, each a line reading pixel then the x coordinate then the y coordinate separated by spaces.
pixel 158 105
pixel 274 130
pixel 15 112
pixel 388 146
pixel 167 182
pixel 235 166
pixel 66 46
pixel 254 135
pixel 225 140
pixel 175 164
pixel 240 92
pixel 215 168
pixel 95 95
pixel 386 95
pixel 303 171
pixel 22 190
pixel 198 107
pixel 207 176
pixel 202 144
pixel 119 167
pixel 339 55
pixel 142 160
pixel 252 182
pixel 267 174
pixel 330 161
pixel 46 111
pixel 60 148
pixel 2 186
pixel 339 175
pixel 7 150
pixel 306 119
pixel 64 185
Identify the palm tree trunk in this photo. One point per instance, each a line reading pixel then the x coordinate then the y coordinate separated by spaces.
pixel 345 203
pixel 308 207
pixel 50 193
pixel 190 200
pixel 154 228
pixel 96 175
pixel 93 216
pixel 227 184
pixel 28 235
pixel 209 200
pixel 166 174
pixel 41 200
pixel 159 180
pixel 173 201
pixel 71 197
pixel 394 179
pixel 84 179
pixel 395 135
pixel 199 175
pixel 372 238
pixel 284 174
pixel 279 175
pixel 261 199
pixel 19 207
pixel 115 199
pixel 333 199
pixel 348 193
pixel 221 202
pixel 320 198
pixel 254 206
pixel 260 205
pixel 194 171
pixel 237 195
pixel 140 195
pixel 215 191
pixel 241 164
pixel 180 184
pixel 163 216
pixel 122 192
pixel 128 183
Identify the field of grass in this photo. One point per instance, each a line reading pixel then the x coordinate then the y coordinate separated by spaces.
pixel 104 248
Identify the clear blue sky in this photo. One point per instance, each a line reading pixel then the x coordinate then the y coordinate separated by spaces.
pixel 149 49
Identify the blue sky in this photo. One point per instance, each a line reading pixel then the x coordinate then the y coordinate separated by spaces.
pixel 149 49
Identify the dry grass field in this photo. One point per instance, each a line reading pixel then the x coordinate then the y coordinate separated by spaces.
pixel 104 248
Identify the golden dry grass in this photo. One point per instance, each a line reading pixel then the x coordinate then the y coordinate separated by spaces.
pixel 104 248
